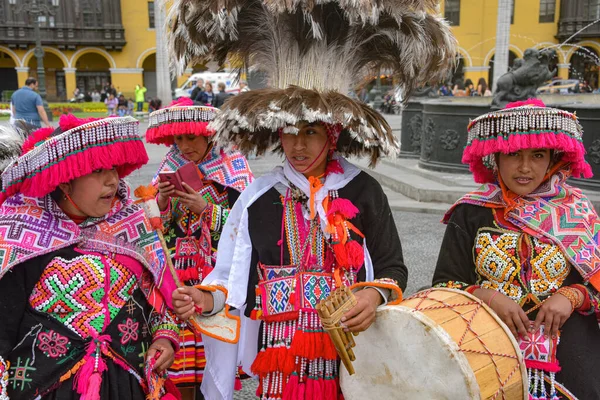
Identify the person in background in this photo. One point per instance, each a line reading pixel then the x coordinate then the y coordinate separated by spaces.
pixel 140 92
pixel 221 96
pixel 459 88
pixel 27 105
pixel 470 88
pixel 96 96
pixel 446 90
pixel 122 106
pixel 482 88
pixel 130 106
pixel 154 104
pixel 244 87
pixel 208 87
pixel 198 89
pixel 111 104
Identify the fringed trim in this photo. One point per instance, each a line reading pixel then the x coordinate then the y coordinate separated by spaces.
pixel 126 156
pixel 310 340
pixel 479 153
pixel 257 313
pixel 384 283
pixel 103 144
pixel 542 385
pixel 88 378
pixel 4 368
pixel 316 380
pixel 163 134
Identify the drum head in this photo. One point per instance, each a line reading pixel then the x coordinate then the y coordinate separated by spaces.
pixel 406 355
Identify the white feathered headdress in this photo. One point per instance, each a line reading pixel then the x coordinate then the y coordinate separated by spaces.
pixel 313 52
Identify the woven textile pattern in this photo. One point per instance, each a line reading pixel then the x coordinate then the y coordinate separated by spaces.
pixel 555 212
pixel 30 227
pixel 498 263
pixel 230 168
pixel 72 291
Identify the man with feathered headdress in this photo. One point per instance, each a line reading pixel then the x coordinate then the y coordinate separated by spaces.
pixel 318 222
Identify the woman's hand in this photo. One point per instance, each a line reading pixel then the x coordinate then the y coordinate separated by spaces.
pixel 507 309
pixel 166 354
pixel 188 300
pixel 362 315
pixel 553 314
pixel 165 191
pixel 191 199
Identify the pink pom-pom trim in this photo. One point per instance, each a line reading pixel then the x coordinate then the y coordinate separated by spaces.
pixel 38 136
pixel 528 102
pixel 69 121
pixel 181 102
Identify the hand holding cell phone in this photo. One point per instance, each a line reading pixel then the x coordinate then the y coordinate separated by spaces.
pixel 189 173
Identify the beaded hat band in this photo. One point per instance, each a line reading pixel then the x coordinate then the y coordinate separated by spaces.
pixel 524 125
pixel 100 144
pixel 179 120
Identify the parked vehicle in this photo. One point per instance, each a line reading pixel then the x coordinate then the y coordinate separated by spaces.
pixel 562 86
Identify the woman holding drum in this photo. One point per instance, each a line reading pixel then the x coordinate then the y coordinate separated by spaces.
pixel 526 243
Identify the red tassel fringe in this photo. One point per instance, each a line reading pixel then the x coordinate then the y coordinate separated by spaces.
pixel 125 156
pixel 163 134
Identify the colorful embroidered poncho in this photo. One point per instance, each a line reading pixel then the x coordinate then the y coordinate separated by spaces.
pixel 193 239
pixel 31 227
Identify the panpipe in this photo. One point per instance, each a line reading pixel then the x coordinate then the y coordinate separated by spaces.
pixel 331 310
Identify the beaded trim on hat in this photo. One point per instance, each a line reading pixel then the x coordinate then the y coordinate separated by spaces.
pixel 95 134
pixel 181 114
pixel 524 119
pixel 524 126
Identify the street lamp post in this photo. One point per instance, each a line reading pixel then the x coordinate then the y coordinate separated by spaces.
pixel 36 9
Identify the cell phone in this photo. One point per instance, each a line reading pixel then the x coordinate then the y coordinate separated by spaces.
pixel 189 173
pixel 172 178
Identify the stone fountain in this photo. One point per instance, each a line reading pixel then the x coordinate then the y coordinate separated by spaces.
pixel 435 130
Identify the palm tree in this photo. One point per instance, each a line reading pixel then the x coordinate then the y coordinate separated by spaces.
pixel 502 39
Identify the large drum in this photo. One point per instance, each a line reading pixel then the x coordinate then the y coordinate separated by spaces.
pixel 437 344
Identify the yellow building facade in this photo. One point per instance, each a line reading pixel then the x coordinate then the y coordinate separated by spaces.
pixel 535 24
pixel 92 67
pixel 473 23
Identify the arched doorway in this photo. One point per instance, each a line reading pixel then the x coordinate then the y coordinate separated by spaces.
pixel 585 66
pixel 93 72
pixel 512 56
pixel 149 66
pixel 8 76
pixel 55 76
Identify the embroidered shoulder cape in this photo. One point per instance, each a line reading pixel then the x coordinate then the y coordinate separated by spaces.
pixel 555 212
pixel 30 227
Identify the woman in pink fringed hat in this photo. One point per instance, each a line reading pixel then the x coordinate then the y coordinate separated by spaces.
pixel 526 243
pixel 193 220
pixel 82 283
